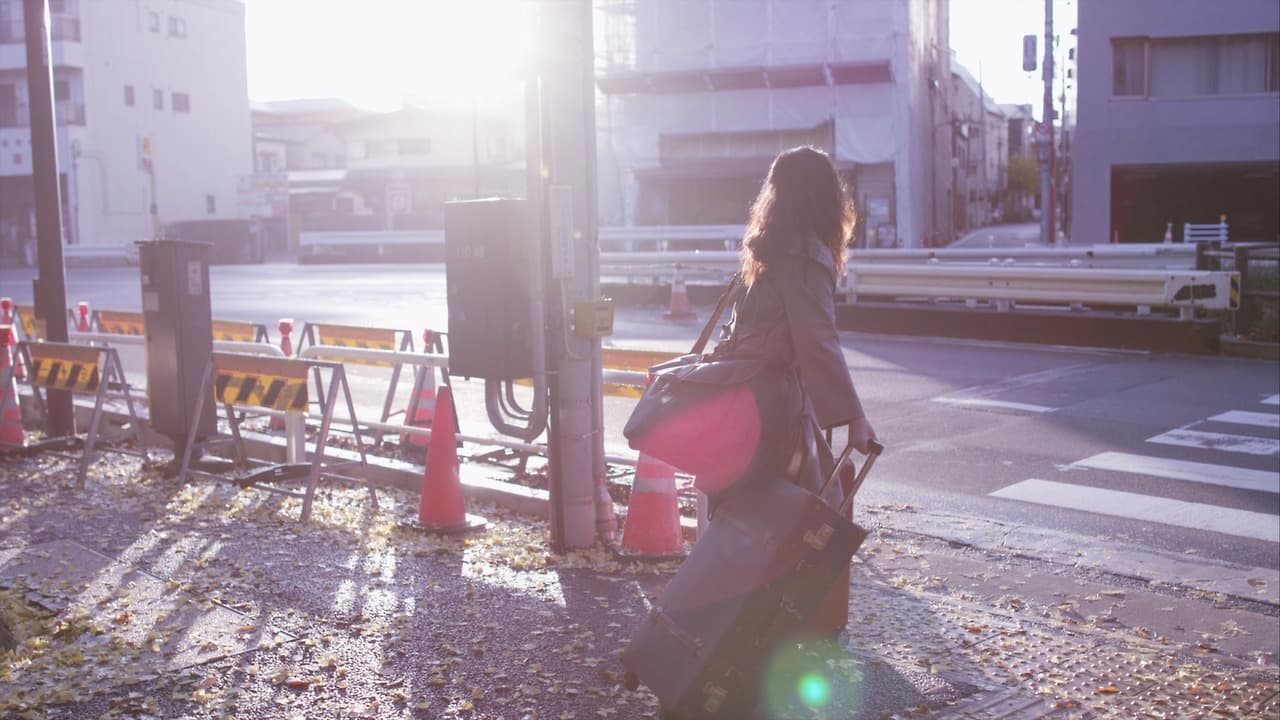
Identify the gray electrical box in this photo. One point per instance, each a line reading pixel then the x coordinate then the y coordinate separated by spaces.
pixel 179 326
pixel 489 281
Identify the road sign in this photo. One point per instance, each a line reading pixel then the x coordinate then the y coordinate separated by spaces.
pixel 1029 53
pixel 263 195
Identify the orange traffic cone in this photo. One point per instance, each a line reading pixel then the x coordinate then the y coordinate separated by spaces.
pixel 652 527
pixel 286 347
pixel 6 318
pixel 10 414
pixel 422 405
pixel 679 298
pixel 442 509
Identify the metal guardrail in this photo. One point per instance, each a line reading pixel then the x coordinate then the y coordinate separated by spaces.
pixel 1185 290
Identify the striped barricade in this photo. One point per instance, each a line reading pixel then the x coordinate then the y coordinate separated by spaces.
pixel 272 386
pixel 351 337
pixel 82 370
pixel 626 371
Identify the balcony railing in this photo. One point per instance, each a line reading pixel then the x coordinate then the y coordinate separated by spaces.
pixel 63 28
pixel 65 113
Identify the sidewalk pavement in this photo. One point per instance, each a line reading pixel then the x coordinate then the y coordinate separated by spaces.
pixel 136 597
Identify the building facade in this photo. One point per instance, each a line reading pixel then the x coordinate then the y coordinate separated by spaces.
pixel 353 170
pixel 697 96
pixel 1178 119
pixel 152 114
pixel 980 136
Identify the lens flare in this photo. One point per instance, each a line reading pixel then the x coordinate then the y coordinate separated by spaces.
pixel 814 690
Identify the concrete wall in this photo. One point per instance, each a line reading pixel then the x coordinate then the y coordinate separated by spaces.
pixel 1116 131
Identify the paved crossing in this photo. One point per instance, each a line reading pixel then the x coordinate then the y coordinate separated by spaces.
pixel 1233 435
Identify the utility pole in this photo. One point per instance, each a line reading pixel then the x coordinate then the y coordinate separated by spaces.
pixel 1048 204
pixel 50 286
pixel 566 184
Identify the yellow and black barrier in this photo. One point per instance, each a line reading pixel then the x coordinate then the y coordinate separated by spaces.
pixel 252 382
pixel 116 322
pixel 82 370
pixel 631 361
pixel 360 338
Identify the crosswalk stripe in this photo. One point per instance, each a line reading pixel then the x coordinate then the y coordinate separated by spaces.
pixel 1218 441
pixel 987 402
pixel 1244 417
pixel 1273 400
pixel 1115 503
pixel 1221 475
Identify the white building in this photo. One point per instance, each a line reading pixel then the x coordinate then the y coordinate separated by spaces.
pixel 151 102
pixel 697 96
pixel 981 136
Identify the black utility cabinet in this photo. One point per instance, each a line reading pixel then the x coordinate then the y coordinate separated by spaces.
pixel 489 276
pixel 179 320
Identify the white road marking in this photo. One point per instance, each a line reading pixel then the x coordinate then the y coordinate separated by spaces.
pixel 1243 417
pixel 1221 475
pixel 1198 516
pixel 1273 400
pixel 984 402
pixel 1218 441
pixel 981 395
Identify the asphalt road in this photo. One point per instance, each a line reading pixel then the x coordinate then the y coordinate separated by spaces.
pixel 1175 452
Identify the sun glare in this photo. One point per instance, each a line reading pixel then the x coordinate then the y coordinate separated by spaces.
pixel 379 53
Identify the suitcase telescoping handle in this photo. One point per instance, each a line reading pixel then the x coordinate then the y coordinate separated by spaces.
pixel 874 452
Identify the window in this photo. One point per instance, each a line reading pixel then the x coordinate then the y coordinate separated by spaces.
pixel 57 7
pixel 157 99
pixel 181 102
pixel 1129 73
pixel 128 95
pixel 210 204
pixel 153 21
pixel 61 90
pixel 177 27
pixel 414 146
pixel 1196 66
pixel 8 105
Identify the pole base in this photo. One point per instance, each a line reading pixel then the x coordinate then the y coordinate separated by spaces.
pixel 470 523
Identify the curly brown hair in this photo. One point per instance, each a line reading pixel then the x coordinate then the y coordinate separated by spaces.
pixel 802 195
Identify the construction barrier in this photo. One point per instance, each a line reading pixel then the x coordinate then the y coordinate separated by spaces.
pixel 273 384
pixel 327 335
pixel 83 370
pixel 116 322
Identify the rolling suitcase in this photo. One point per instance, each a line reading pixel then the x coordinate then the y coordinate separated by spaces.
pixel 770 556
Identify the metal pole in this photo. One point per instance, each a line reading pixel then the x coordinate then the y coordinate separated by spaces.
pixel 568 160
pixel 50 285
pixel 1048 204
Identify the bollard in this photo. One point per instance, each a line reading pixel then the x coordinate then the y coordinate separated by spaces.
pixel 286 346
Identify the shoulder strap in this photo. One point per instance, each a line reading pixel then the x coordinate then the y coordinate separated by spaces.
pixel 734 284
